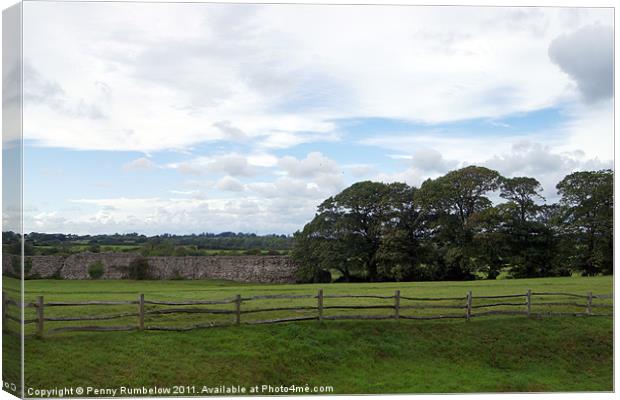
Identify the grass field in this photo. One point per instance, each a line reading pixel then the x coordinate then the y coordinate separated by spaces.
pixel 504 353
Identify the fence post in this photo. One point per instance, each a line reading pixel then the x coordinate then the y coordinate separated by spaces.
pixel 40 317
pixel 589 309
pixel 3 310
pixel 238 309
pixel 319 304
pixel 141 311
pixel 468 313
pixel 397 304
pixel 529 302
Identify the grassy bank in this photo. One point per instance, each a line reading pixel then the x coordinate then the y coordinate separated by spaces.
pixel 503 353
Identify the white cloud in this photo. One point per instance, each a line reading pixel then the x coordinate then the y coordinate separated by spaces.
pixel 176 215
pixel 543 163
pixel 232 164
pixel 313 165
pixel 140 164
pixel 548 164
pixel 227 88
pixel 431 160
pixel 230 184
pixel 263 160
pixel 590 129
pixel 230 131
pixel 272 75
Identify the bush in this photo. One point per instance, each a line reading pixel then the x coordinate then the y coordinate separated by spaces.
pixel 177 276
pixel 56 274
pixel 139 269
pixel 27 266
pixel 17 267
pixel 95 271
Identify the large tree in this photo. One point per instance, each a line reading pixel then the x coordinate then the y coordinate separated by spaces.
pixel 402 251
pixel 349 226
pixel 587 211
pixel 451 202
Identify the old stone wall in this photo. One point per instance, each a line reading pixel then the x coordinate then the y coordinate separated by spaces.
pixel 259 269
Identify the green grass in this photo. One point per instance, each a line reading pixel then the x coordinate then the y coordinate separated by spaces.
pixel 385 356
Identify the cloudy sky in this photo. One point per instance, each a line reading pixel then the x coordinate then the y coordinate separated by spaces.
pixel 207 117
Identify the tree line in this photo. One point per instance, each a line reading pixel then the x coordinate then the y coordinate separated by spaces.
pixel 159 245
pixel 450 229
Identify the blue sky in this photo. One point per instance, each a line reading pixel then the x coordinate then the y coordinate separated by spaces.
pixel 186 118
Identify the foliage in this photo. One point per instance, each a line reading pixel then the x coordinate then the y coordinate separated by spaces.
pixel 139 269
pixel 95 270
pixel 587 216
pixel 159 245
pixel 17 266
pixel 345 234
pixel 177 276
pixel 449 229
pixel 56 275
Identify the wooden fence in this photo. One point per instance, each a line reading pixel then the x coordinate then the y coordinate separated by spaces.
pixel 464 309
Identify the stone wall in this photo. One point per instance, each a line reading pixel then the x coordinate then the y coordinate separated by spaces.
pixel 259 269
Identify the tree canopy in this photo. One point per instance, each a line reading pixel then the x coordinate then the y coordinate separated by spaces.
pixel 450 229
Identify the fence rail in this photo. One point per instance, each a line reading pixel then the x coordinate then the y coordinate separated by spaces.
pixel 400 303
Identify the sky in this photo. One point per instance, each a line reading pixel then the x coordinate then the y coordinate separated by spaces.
pixel 189 118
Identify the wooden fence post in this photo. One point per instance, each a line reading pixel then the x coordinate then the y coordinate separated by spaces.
pixel 3 310
pixel 397 304
pixel 141 312
pixel 529 302
pixel 238 309
pixel 319 304
pixel 589 309
pixel 40 317
pixel 468 313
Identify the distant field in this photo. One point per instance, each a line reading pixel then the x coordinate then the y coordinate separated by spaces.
pixel 504 353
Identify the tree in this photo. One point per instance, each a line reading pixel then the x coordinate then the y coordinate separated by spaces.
pixel 323 245
pixel 462 191
pixel 587 212
pixel 346 232
pixel 530 244
pixel 401 252
pixel 450 203
pixel 449 229
pixel 522 191
pixel 360 211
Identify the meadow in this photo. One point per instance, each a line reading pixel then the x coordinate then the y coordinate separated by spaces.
pixel 487 354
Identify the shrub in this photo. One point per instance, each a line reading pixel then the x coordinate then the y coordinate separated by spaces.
pixel 139 269
pixel 56 274
pixel 95 271
pixel 177 276
pixel 17 267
